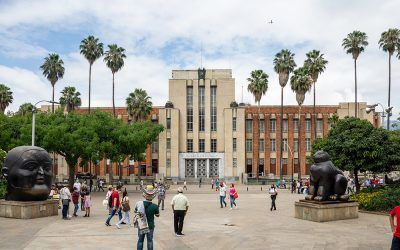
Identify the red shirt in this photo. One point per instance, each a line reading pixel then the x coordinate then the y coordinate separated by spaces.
pixel 396 212
pixel 115 195
pixel 75 197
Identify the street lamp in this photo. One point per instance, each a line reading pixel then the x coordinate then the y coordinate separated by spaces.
pixel 34 116
pixel 371 108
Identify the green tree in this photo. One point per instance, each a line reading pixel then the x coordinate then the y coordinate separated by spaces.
pixel 316 64
pixel 138 105
pixel 284 64
pixel 389 42
pixel 6 97
pixel 92 50
pixel 53 69
pixel 354 44
pixel 355 145
pixel 301 83
pixel 114 58
pixel 70 98
pixel 25 109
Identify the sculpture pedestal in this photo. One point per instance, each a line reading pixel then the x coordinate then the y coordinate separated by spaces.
pixel 28 209
pixel 325 211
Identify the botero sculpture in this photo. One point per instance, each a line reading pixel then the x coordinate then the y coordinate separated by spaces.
pixel 326 181
pixel 28 172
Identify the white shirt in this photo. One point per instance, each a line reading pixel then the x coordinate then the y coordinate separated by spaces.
pixel 180 202
pixel 78 186
pixel 222 191
pixel 65 194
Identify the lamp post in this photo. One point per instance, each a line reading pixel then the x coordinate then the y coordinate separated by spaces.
pixel 34 118
pixel 371 108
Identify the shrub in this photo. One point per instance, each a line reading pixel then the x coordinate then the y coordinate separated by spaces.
pixel 3 188
pixel 378 199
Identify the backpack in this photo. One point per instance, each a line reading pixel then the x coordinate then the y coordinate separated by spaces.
pixel 125 205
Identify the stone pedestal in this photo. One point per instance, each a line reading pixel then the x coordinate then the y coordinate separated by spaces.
pixel 325 211
pixel 28 209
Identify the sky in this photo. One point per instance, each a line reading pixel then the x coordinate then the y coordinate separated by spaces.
pixel 160 36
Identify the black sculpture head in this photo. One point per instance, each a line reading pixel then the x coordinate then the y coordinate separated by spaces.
pixel 321 156
pixel 28 172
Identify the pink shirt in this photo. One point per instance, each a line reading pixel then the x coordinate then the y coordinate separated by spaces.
pixel 232 191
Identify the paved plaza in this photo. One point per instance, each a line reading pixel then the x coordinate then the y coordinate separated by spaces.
pixel 251 226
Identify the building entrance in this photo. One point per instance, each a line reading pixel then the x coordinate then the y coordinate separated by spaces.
pixel 201 165
pixel 189 168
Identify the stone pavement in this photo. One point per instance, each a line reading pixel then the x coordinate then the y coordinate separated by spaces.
pixel 251 226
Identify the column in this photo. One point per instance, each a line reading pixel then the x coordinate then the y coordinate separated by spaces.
pixel 208 168
pixel 195 168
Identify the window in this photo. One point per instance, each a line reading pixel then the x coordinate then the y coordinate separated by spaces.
pixel 296 145
pixel 261 161
pixel 284 161
pixel 272 145
pixel 308 125
pixel 234 162
pixel 168 144
pixel 272 161
pixel 213 108
pixel 249 145
pixel 234 123
pixel 261 126
pixel 308 144
pixel 201 108
pixel 168 123
pixel 296 125
pixel 213 145
pixel 234 144
pixel 249 126
pixel 261 145
pixel 154 147
pixel 285 125
pixel 201 145
pixel 319 125
pixel 189 145
pixel 168 163
pixel 189 108
pixel 285 145
pixel 296 161
pixel 272 125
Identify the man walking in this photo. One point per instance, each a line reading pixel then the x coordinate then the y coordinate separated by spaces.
pixel 184 185
pixel 161 195
pixel 65 198
pixel 180 206
pixel 75 201
pixel 273 192
pixel 115 205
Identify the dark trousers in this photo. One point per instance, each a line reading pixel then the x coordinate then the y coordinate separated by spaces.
pixel 395 243
pixel 273 198
pixel 65 211
pixel 222 200
pixel 161 201
pixel 179 216
pixel 113 212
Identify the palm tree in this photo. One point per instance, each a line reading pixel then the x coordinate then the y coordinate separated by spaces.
pixel 138 105
pixel 114 58
pixel 354 44
pixel 315 64
pixel 283 65
pixel 301 82
pixel 6 97
pixel 53 70
pixel 25 108
pixel 390 40
pixel 70 98
pixel 92 50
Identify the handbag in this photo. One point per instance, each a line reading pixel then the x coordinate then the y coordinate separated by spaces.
pixel 235 195
pixel 125 206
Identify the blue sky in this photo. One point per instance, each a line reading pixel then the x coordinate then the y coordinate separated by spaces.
pixel 163 35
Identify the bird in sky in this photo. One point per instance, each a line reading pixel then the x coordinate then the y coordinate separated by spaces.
pixel 270 22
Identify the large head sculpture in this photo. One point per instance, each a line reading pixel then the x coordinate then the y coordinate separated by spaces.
pixel 28 172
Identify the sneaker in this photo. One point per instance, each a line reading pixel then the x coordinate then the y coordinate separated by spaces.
pixel 177 235
pixel 123 223
pixel 107 224
pixel 118 226
pixel 182 234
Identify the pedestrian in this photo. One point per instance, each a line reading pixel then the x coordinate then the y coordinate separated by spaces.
pixel 75 201
pixel 108 195
pixel 90 184
pixel 82 194
pixel 184 185
pixel 216 184
pixel 298 186
pixel 349 186
pixel 284 183
pixel 233 196
pixel 115 204
pixel 200 183
pixel 180 206
pixel 88 202
pixel 77 184
pixel 395 228
pixel 212 184
pixel 126 210
pixel 65 198
pixel 144 217
pixel 101 183
pixel 293 190
pixel 161 195
pixel 222 194
pixel 273 192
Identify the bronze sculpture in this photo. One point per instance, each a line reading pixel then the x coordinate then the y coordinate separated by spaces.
pixel 28 172
pixel 326 181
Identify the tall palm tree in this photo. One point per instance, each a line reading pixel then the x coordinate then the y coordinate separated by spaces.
pixel 53 70
pixel 283 65
pixel 301 82
pixel 25 108
pixel 92 50
pixel 389 42
pixel 138 105
pixel 114 58
pixel 70 98
pixel 354 44
pixel 6 97
pixel 315 64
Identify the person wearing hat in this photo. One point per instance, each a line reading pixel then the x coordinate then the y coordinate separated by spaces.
pixel 144 217
pixel 180 205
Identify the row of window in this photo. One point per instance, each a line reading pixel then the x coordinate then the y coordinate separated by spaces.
pixel 201 104
pixel 272 145
pixel 189 145
pixel 272 161
pixel 272 125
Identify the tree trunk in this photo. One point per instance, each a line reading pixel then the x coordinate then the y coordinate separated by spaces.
pixel 52 104
pixel 113 101
pixel 355 87
pixel 281 147
pixel 356 181
pixel 299 144
pixel 120 170
pixel 71 167
pixel 110 173
pixel 388 114
pixel 315 116
pixel 90 83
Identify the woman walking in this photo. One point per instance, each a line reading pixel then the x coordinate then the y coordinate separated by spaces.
pixel 126 210
pixel 233 196
pixel 273 192
pixel 222 194
pixel 88 202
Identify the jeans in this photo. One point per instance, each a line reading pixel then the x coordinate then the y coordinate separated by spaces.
pixel 126 216
pixel 232 199
pixel 273 198
pixel 395 243
pixel 76 207
pixel 222 200
pixel 64 211
pixel 179 216
pixel 114 210
pixel 149 240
